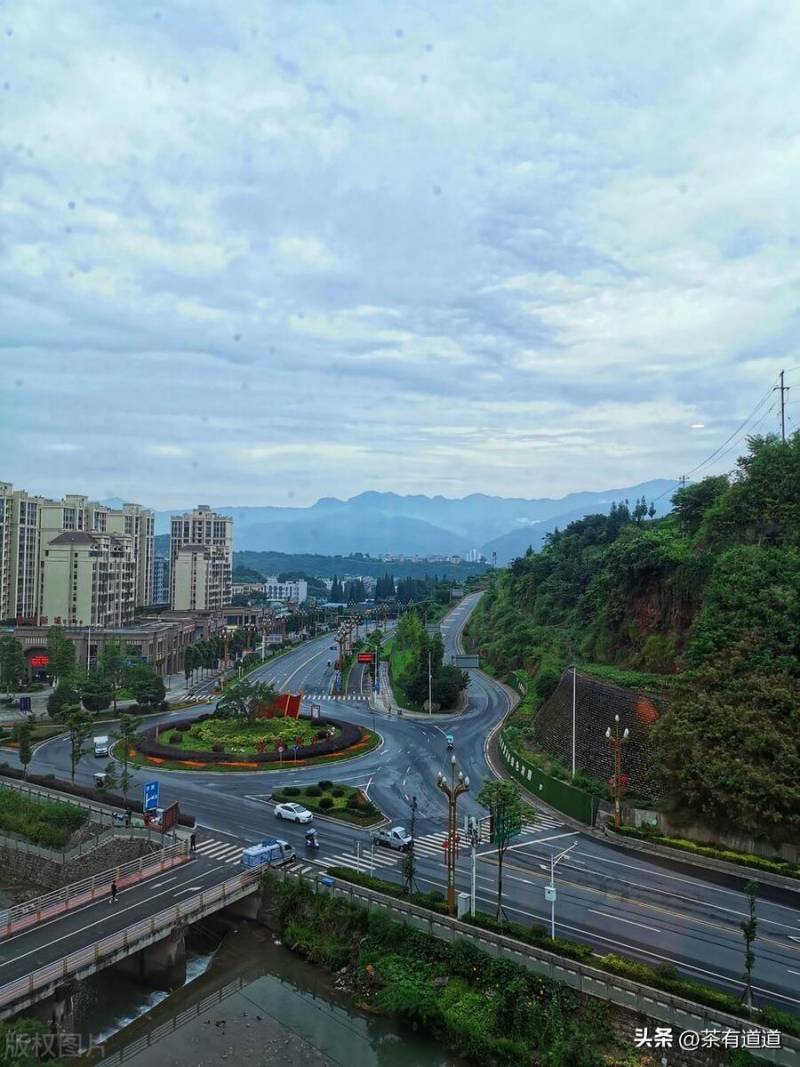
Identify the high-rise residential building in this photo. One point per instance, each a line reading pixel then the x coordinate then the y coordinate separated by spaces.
pixel 201 528
pixel 161 580
pixel 87 579
pixel 200 578
pixel 28 524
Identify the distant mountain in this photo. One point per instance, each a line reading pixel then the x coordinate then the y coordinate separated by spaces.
pixel 378 523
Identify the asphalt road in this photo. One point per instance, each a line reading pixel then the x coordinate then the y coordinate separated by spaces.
pixel 612 898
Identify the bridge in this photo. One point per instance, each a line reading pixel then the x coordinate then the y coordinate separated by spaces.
pixel 49 942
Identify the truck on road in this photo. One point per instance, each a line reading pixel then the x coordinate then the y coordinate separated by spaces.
pixel 101 744
pixel 271 852
pixel 393 837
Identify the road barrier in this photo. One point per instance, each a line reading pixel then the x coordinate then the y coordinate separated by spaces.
pixel 30 912
pixel 560 795
pixel 676 1012
pixel 18 994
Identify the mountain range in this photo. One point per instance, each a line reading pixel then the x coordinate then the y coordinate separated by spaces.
pixel 387 523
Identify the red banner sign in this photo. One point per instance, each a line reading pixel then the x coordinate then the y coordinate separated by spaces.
pixel 365 657
pixel 39 661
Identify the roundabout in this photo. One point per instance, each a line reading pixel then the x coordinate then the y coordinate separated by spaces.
pixel 213 744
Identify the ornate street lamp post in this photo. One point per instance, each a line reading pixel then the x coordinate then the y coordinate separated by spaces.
pixel 617 740
pixel 452 789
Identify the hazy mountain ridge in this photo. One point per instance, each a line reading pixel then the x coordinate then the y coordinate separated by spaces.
pixel 382 523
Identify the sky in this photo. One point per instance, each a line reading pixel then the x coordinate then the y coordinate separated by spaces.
pixel 260 253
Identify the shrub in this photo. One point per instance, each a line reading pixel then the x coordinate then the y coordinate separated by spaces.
pixel 291 791
pixel 61 697
pixel 326 803
pixel 176 738
pixel 325 785
pixel 356 801
pixel 218 747
pixel 313 791
pixel 337 791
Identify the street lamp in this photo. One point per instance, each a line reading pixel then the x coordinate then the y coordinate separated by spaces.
pixel 550 890
pixel 453 789
pixel 574 686
pixel 617 740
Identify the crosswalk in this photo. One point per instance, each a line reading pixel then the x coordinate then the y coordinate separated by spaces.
pixel 227 852
pixel 314 697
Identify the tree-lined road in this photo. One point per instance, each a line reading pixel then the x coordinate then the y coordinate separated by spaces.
pixel 617 900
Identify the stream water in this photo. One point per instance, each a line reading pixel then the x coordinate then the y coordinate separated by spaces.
pixel 249 1001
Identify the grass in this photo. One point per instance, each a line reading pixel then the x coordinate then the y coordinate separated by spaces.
pixel 369 741
pixel 40 732
pixel 343 807
pixel 43 822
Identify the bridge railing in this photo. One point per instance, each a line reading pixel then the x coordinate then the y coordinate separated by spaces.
pixel 30 912
pixel 94 956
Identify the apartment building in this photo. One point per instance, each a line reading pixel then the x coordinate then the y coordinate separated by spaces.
pixel 87 579
pixel 200 580
pixel 28 525
pixel 161 580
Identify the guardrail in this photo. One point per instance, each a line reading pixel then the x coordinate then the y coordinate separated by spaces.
pixel 30 912
pixel 58 855
pixel 16 995
pixel 673 1011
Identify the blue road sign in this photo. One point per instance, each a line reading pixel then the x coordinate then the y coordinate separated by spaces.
pixel 150 796
pixel 24 703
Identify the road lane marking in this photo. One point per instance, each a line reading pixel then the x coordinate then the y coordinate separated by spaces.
pixel 618 919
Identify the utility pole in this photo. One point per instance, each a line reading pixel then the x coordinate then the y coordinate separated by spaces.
pixel 473 833
pixel 682 481
pixel 550 890
pixel 783 389
pixel 411 858
pixel 453 789
pixel 430 685
pixel 617 740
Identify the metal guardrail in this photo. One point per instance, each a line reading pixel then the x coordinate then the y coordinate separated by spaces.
pixel 93 957
pixel 677 1012
pixel 58 855
pixel 34 911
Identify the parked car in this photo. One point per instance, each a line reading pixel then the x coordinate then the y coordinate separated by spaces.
pixel 293 812
pixel 393 837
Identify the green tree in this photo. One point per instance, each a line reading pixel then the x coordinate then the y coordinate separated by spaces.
pixel 749 932
pixel 503 801
pixel 190 662
pixel 79 725
pixel 96 691
pixel 22 735
pixel 145 684
pixel 112 663
pixel 245 699
pixel 127 732
pixel 63 696
pixel 13 668
pixel 60 654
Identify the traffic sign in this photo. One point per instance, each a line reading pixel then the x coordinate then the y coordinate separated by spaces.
pixel 150 796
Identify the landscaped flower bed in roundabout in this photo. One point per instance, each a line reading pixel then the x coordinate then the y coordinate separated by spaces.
pixel 214 742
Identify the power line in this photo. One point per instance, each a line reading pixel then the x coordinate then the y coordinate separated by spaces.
pixel 735 433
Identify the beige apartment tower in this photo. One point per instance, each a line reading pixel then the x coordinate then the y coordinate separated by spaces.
pixel 87 579
pixel 201 560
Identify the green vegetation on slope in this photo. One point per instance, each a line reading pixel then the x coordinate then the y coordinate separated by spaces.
pixel 44 822
pixel 708 597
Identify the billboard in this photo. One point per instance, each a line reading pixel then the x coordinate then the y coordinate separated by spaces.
pixel 365 657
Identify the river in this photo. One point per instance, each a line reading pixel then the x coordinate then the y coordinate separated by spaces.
pixel 248 1001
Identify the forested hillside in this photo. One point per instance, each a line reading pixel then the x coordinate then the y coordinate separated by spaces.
pixel 707 602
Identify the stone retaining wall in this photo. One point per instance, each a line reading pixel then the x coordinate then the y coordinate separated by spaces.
pixel 34 870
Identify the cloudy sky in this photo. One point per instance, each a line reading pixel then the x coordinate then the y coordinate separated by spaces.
pixel 265 252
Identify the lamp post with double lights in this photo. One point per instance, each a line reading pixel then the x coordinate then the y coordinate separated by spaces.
pixel 452 789
pixel 617 740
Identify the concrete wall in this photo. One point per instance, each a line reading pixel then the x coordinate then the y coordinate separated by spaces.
pixel 596 705
pixel 34 870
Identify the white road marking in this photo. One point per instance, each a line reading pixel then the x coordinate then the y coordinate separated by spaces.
pixel 618 919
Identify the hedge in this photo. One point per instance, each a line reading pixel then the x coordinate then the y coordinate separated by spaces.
pixel 147 744
pixel 85 792
pixel 744 859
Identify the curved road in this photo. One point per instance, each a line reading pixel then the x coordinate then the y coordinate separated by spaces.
pixel 612 898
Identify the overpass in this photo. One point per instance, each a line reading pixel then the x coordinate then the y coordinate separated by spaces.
pixel 41 960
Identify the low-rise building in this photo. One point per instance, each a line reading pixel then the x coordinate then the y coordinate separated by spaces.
pixel 293 591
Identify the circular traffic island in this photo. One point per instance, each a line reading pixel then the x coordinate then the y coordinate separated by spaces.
pixel 223 743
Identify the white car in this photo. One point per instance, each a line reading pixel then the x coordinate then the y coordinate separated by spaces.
pixel 293 812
